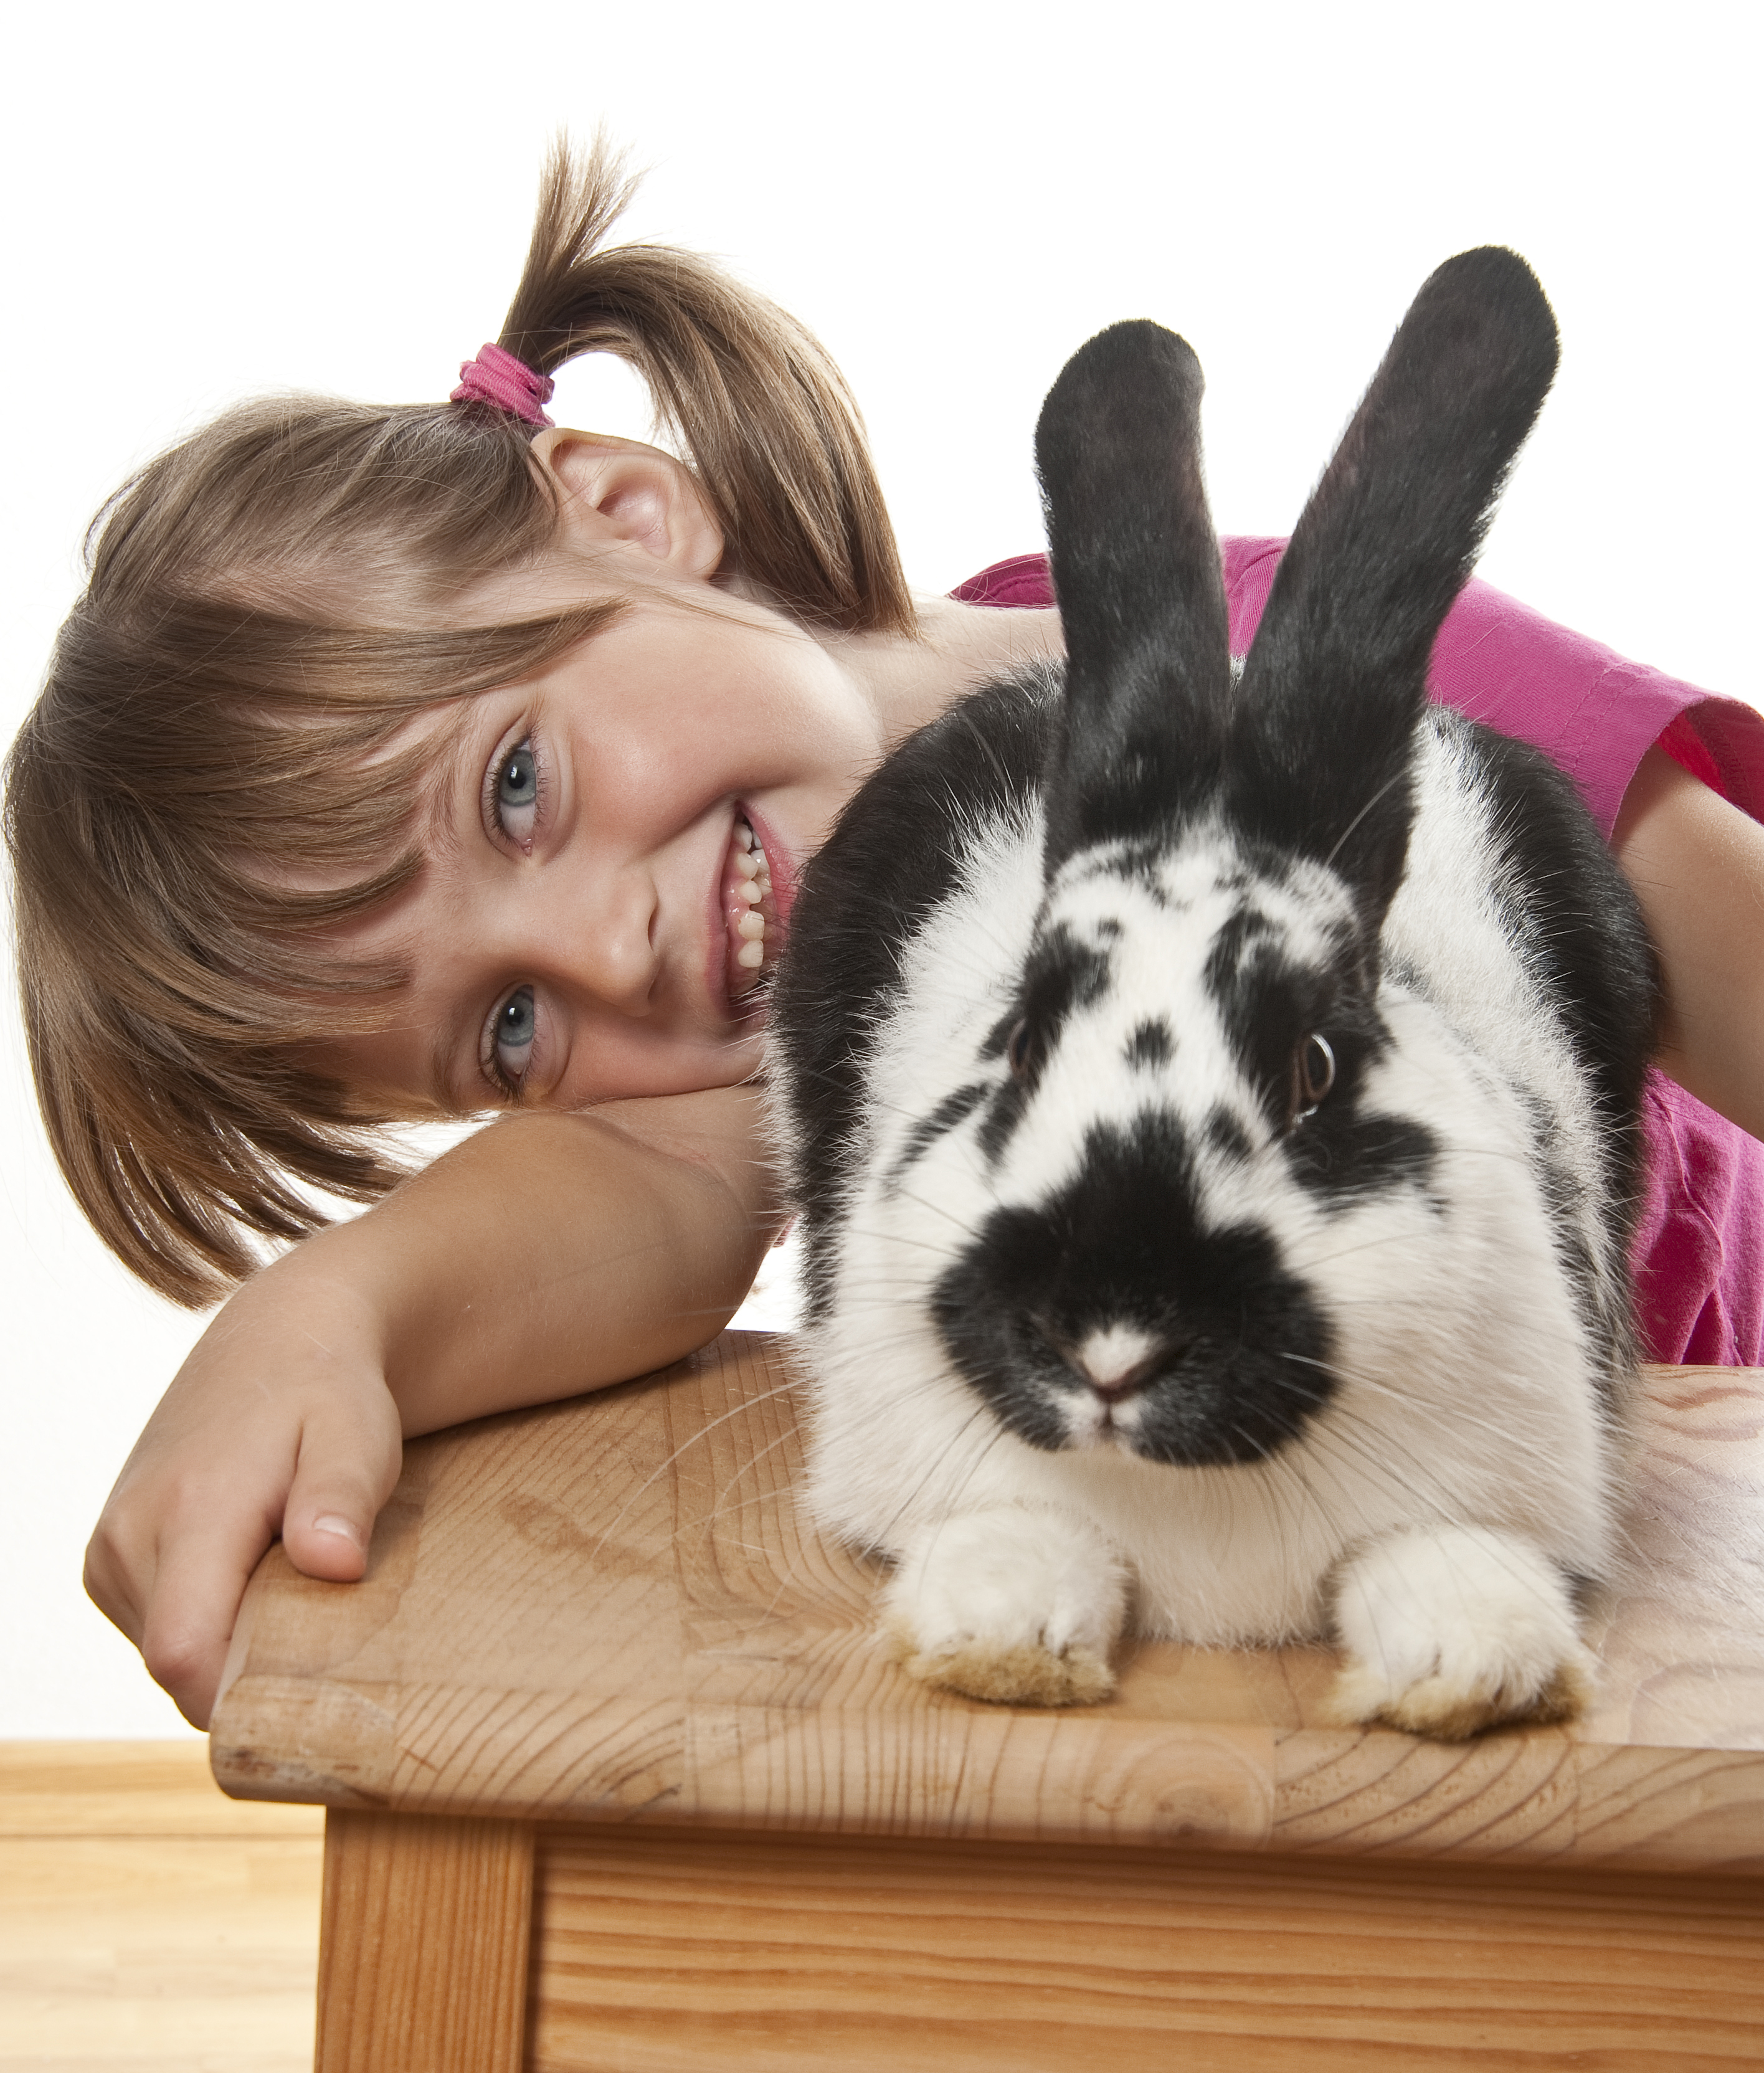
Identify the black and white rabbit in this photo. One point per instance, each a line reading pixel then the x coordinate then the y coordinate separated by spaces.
pixel 1211 1091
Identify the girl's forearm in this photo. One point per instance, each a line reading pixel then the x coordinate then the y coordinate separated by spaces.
pixel 1697 863
pixel 549 1254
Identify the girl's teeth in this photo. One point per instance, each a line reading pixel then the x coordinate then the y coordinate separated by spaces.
pixel 752 883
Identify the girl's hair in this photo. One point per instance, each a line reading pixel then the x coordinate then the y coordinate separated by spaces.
pixel 225 723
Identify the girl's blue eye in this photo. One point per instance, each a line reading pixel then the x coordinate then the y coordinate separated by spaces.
pixel 511 1035
pixel 514 791
pixel 517 781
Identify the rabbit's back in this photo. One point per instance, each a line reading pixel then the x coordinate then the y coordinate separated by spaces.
pixel 1481 1254
pixel 1515 924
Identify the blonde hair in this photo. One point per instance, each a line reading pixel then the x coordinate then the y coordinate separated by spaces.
pixel 219 729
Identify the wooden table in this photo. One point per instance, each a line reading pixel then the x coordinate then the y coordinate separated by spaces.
pixel 619 1780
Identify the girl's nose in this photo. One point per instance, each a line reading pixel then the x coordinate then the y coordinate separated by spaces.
pixel 591 934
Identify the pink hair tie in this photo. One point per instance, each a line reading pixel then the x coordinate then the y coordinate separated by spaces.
pixel 497 377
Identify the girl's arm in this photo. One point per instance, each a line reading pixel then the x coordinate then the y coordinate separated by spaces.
pixel 1697 863
pixel 546 1255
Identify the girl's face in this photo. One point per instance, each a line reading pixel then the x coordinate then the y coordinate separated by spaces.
pixel 576 934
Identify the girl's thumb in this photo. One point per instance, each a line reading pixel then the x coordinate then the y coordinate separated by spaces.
pixel 331 1544
pixel 339 1487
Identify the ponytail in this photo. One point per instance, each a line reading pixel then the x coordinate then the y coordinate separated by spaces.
pixel 773 433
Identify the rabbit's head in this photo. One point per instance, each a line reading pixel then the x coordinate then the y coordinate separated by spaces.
pixel 1176 1123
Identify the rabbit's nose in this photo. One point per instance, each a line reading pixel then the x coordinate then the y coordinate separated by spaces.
pixel 1117 1361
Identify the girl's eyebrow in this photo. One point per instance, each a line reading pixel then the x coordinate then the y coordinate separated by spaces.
pixel 451 756
pixel 443 1054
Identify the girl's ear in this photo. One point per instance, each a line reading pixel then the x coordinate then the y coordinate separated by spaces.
pixel 614 493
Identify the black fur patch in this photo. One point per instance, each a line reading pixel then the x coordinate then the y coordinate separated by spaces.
pixel 1140 864
pixel 1344 1158
pixel 895 853
pixel 1578 933
pixel 1270 1001
pixel 1009 1104
pixel 1064 976
pixel 954 1108
pixel 1152 1045
pixel 1246 1352
pixel 1238 941
pixel 1579 929
pixel 1226 1136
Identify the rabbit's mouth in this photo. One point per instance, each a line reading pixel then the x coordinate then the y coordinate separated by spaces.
pixel 1089 1423
pixel 750 912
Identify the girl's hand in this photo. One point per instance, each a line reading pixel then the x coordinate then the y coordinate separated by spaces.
pixel 280 1423
pixel 546 1255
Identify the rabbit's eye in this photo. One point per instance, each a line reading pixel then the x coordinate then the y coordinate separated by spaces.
pixel 1016 1049
pixel 1313 1074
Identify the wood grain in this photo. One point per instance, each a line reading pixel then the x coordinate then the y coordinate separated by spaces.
pixel 682 1952
pixel 612 1609
pixel 423 1945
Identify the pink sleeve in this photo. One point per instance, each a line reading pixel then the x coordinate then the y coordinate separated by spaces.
pixel 1022 582
pixel 1594 714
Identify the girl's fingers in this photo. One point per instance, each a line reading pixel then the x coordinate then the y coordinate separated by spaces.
pixel 193 1604
pixel 177 1545
pixel 108 1585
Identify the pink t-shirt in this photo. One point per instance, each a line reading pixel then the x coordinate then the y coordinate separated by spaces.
pixel 1698 1256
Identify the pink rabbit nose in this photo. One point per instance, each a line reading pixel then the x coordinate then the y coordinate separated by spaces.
pixel 1118 1361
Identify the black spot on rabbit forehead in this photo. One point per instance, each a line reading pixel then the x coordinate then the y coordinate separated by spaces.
pixel 1209 888
pixel 1143 1020
pixel 1182 933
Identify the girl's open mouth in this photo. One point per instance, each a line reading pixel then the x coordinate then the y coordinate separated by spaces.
pixel 752 925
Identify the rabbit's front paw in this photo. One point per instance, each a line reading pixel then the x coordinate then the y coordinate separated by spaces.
pixel 1016 1606
pixel 1449 1631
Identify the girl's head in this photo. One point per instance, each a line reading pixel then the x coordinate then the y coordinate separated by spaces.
pixel 234 812
pixel 579 930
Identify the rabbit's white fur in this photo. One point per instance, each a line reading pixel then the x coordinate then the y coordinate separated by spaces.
pixel 1295 1544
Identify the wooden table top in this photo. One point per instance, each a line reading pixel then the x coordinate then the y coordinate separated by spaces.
pixel 610 1609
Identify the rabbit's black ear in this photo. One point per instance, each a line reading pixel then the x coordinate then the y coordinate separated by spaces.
pixel 1336 678
pixel 1136 573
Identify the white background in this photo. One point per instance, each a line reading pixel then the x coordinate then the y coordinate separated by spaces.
pixel 205 202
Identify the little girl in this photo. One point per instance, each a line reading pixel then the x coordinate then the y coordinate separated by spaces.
pixel 421 761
